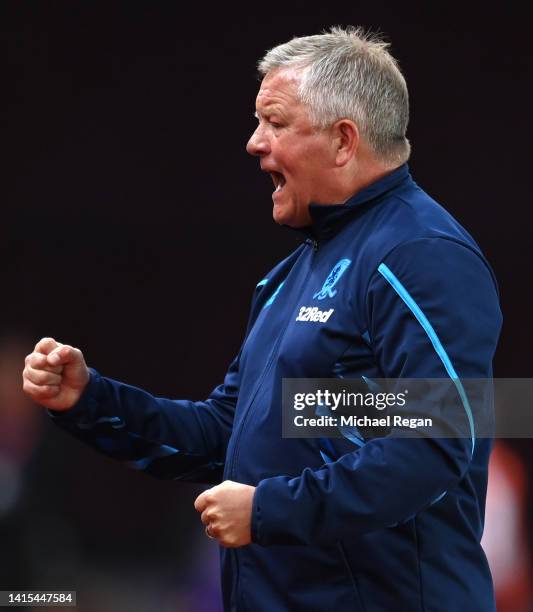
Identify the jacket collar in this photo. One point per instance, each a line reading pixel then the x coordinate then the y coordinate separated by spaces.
pixel 328 218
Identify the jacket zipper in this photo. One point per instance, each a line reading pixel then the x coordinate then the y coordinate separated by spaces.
pixel 244 420
pixel 266 370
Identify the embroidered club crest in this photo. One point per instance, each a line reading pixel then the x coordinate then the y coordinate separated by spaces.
pixel 333 278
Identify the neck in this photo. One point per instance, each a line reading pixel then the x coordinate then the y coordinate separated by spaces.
pixel 359 172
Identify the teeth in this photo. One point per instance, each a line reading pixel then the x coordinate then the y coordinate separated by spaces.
pixel 280 179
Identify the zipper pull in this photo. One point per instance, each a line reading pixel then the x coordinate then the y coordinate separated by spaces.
pixel 313 243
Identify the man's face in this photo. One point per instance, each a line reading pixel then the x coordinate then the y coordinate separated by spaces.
pixel 298 157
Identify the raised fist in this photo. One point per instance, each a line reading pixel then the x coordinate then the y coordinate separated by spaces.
pixel 55 374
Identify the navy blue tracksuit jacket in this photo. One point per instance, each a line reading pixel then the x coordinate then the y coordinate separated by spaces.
pixel 391 525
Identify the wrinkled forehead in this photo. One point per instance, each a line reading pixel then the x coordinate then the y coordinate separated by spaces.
pixel 280 86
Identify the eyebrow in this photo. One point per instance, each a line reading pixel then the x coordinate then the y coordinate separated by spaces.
pixel 269 111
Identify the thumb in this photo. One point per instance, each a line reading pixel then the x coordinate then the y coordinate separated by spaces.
pixel 64 355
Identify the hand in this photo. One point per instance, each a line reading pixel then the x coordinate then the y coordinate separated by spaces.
pixel 55 375
pixel 227 510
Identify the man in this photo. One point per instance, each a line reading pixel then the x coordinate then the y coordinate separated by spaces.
pixel 402 291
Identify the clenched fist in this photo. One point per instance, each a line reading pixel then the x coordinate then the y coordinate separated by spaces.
pixel 227 513
pixel 55 375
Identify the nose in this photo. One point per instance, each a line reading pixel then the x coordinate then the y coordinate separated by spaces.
pixel 258 143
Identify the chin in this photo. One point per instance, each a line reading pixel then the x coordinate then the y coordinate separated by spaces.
pixel 280 216
pixel 285 214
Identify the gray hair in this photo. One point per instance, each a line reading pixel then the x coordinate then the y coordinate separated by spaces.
pixel 348 73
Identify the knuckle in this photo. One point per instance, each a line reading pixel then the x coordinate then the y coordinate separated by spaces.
pixel 32 375
pixel 35 360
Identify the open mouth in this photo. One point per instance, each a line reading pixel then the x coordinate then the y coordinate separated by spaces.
pixel 279 181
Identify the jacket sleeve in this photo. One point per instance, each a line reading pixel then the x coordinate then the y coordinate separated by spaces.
pixel 167 438
pixel 432 312
pixel 178 439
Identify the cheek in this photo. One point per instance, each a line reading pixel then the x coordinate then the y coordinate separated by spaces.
pixel 297 166
pixel 288 153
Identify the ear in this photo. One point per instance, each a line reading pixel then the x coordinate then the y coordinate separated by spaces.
pixel 346 138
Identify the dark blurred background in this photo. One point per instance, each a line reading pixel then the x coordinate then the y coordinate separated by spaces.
pixel 135 226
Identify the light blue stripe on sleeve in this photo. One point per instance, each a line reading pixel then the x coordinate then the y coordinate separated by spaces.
pixel 274 295
pixel 432 335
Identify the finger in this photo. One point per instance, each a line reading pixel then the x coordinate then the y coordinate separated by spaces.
pixel 46 346
pixel 38 361
pixel 207 516
pixel 41 377
pixel 64 355
pixel 202 501
pixel 40 392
